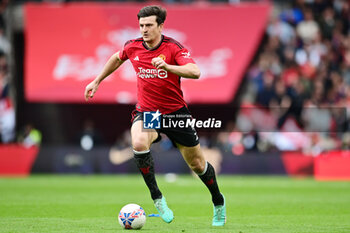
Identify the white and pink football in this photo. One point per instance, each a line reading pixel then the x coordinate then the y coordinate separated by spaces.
pixel 132 216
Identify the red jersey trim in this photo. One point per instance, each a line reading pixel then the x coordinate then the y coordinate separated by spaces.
pixel 154 48
pixel 131 41
pixel 171 40
pixel 164 39
pixel 128 42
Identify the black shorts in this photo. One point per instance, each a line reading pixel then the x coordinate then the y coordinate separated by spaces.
pixel 184 136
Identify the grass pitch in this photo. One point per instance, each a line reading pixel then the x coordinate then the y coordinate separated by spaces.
pixel 92 203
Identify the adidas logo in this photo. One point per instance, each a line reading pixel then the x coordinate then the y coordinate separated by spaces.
pixel 136 58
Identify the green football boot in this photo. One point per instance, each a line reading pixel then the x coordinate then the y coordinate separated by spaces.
pixel 163 210
pixel 219 218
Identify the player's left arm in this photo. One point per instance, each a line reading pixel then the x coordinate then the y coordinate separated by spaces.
pixel 189 70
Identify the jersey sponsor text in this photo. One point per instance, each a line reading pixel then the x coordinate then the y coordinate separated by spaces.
pixel 151 73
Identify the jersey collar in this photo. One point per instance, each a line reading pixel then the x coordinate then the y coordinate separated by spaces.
pixel 155 47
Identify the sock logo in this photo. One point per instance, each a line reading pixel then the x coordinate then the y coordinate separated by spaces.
pixel 145 170
pixel 209 182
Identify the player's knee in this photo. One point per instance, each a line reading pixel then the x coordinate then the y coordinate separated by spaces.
pixel 197 166
pixel 140 144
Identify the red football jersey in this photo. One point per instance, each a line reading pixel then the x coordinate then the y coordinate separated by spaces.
pixel 157 89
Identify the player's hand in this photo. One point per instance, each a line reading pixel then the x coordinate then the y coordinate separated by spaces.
pixel 159 63
pixel 90 90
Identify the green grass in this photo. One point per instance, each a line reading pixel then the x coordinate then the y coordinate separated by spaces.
pixel 92 203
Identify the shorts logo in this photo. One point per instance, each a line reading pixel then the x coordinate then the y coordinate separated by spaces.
pixel 151 120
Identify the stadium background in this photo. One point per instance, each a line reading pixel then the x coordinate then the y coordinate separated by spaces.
pixel 277 73
pixel 283 91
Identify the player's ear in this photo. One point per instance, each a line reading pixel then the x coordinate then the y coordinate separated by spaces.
pixel 161 26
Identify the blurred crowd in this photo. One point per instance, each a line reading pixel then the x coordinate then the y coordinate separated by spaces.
pixel 298 95
pixel 7 112
pixel 29 135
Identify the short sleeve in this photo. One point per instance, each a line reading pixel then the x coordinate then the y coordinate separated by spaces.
pixel 183 57
pixel 123 53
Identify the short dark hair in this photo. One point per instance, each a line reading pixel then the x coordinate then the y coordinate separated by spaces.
pixel 158 11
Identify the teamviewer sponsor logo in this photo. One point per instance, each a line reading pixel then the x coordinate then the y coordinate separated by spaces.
pixel 151 73
pixel 152 120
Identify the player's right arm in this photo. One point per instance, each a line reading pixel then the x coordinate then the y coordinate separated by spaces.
pixel 112 64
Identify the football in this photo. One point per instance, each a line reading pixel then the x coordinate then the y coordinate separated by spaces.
pixel 132 216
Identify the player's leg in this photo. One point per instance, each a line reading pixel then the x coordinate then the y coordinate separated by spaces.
pixel 195 160
pixel 141 140
pixel 186 140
